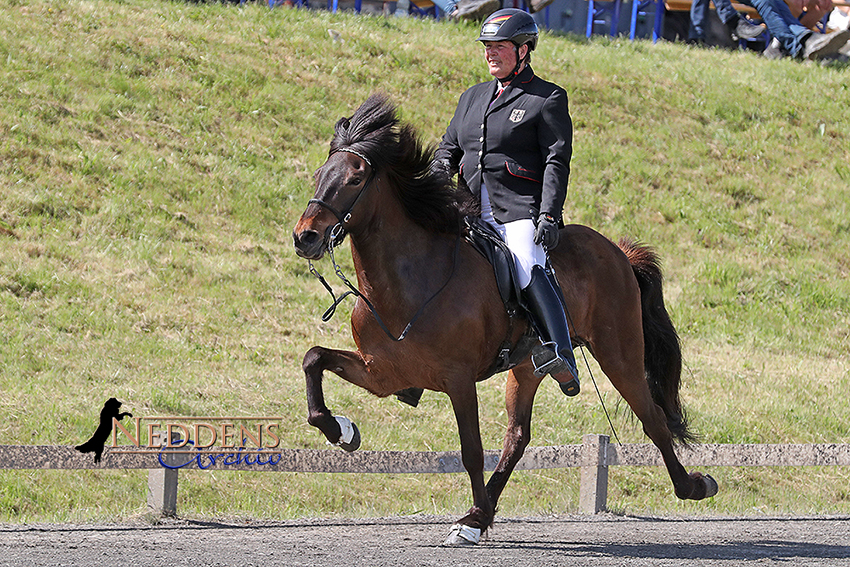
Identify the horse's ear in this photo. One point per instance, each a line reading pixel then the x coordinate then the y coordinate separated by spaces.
pixel 342 124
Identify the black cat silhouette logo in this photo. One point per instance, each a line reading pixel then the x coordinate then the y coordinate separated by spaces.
pixel 104 429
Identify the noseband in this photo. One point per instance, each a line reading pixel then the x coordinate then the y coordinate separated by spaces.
pixel 338 231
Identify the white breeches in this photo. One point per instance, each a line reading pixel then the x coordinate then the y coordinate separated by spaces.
pixel 519 236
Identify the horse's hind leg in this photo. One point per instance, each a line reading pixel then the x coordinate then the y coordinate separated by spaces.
pixel 520 390
pixel 349 366
pixel 622 361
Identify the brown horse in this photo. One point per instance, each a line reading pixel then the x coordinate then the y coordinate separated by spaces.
pixel 416 273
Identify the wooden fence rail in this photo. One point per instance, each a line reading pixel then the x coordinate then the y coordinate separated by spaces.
pixel 594 456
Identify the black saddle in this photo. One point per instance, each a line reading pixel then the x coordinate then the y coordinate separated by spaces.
pixel 489 244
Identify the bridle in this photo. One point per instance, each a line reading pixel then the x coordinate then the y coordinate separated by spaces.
pixel 337 234
pixel 338 231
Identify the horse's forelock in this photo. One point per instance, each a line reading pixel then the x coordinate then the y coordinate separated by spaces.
pixel 372 126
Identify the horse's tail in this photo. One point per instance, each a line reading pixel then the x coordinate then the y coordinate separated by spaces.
pixel 662 351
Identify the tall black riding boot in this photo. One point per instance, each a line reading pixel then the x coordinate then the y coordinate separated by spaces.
pixel 555 355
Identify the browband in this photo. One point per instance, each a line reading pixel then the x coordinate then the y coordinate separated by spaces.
pixel 355 152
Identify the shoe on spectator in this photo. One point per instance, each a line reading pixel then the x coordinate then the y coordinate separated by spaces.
pixel 745 29
pixel 820 45
pixel 838 20
pixel 537 5
pixel 775 50
pixel 475 9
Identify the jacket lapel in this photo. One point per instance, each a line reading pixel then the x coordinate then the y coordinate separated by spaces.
pixel 514 89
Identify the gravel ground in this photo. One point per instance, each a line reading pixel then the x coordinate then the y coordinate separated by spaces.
pixel 601 541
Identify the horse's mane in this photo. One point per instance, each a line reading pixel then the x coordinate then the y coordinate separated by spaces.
pixel 427 193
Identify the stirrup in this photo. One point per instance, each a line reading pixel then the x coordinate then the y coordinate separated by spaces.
pixel 545 359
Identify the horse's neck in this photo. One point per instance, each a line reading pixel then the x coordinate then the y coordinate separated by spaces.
pixel 401 261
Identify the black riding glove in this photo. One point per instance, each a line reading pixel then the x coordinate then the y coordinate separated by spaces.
pixel 442 167
pixel 546 232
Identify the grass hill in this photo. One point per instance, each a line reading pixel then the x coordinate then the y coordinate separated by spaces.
pixel 155 155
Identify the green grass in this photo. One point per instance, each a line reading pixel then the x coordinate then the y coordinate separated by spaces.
pixel 154 157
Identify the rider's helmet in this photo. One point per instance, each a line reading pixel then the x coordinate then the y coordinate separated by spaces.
pixel 510 24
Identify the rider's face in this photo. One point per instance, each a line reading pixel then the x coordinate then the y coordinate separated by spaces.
pixel 501 57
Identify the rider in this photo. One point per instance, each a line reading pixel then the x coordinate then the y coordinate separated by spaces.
pixel 510 140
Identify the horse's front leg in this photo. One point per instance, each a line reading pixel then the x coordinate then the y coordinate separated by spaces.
pixel 520 390
pixel 349 366
pixel 468 529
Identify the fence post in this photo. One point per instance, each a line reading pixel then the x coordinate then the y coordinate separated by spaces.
pixel 593 490
pixel 162 487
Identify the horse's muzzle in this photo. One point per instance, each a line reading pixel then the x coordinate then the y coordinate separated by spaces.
pixel 309 244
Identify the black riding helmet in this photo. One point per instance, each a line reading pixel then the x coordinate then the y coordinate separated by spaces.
pixel 510 24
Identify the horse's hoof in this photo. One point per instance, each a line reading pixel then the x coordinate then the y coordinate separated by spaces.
pixel 349 435
pixel 463 535
pixel 354 444
pixel 711 487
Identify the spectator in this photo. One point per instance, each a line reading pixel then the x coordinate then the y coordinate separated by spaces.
pixel 793 39
pixel 809 12
pixel 839 19
pixel 537 5
pixel 740 27
pixel 467 9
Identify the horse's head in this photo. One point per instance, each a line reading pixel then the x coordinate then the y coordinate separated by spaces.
pixel 340 185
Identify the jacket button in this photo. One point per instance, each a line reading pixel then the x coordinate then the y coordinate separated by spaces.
pixel 481 139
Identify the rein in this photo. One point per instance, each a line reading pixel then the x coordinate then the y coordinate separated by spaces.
pixel 337 234
pixel 356 292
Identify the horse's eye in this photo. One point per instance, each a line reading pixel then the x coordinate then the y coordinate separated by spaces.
pixel 354 181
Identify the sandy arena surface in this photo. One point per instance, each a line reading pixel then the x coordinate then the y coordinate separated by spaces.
pixel 599 541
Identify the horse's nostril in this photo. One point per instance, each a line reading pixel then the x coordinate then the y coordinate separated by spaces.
pixel 308 243
pixel 308 237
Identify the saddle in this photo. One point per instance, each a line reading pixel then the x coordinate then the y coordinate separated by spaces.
pixel 489 244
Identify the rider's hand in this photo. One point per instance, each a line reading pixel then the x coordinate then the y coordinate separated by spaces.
pixel 441 167
pixel 546 232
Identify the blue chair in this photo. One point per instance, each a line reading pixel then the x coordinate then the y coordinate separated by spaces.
pixel 273 3
pixel 639 9
pixel 595 13
pixel 421 9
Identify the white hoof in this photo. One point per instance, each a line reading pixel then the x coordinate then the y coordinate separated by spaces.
pixel 463 535
pixel 347 429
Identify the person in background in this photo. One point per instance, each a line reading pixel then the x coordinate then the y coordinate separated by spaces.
pixel 467 9
pixel 809 12
pixel 839 19
pixel 793 39
pixel 740 27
